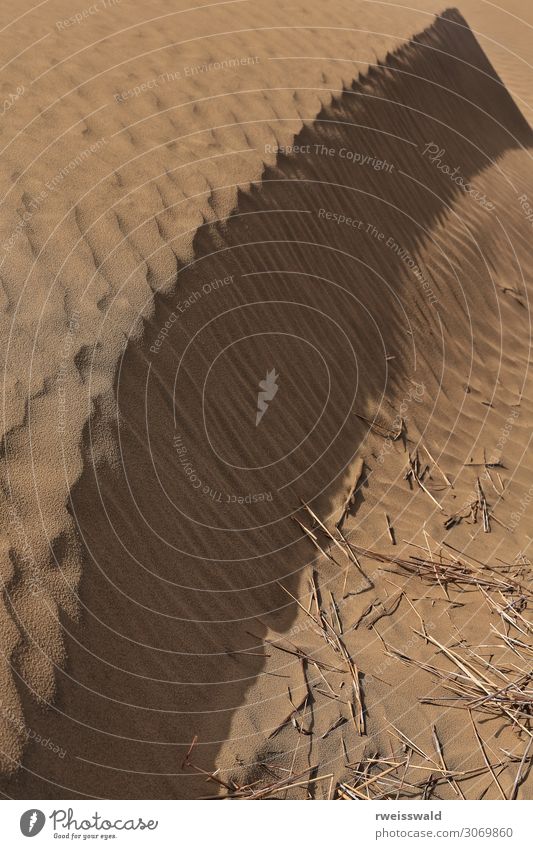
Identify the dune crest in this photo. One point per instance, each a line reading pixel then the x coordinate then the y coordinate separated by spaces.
pixel 338 265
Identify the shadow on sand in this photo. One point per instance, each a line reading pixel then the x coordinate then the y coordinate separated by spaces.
pixel 302 278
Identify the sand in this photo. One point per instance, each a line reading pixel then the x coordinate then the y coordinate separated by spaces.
pixel 192 201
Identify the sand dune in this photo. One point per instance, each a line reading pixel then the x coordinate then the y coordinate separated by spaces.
pixel 359 228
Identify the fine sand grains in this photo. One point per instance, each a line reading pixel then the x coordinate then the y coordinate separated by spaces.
pixel 328 598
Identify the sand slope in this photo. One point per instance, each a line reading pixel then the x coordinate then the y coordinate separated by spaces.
pixel 177 580
pixel 91 185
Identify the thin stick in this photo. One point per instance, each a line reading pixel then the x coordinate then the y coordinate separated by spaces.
pixel 488 763
pixel 518 778
pixel 448 481
pixel 438 748
pixel 370 780
pixel 405 739
pixel 390 530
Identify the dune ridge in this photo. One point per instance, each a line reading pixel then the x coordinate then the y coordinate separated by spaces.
pixel 156 644
pixel 81 171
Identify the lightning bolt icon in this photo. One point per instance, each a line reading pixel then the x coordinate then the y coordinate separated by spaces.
pixel 33 820
pixel 268 388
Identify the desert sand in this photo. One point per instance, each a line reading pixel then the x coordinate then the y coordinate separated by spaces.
pixel 266 463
